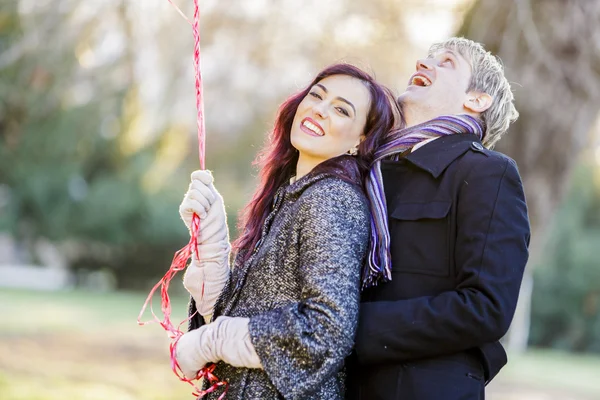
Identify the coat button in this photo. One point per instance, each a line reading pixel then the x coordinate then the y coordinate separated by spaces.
pixel 477 146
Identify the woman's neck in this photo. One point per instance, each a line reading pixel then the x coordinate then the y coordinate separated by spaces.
pixel 304 165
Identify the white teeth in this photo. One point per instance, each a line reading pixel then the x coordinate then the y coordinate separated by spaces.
pixel 313 128
pixel 421 81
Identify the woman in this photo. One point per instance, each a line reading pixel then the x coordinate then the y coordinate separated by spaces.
pixel 288 310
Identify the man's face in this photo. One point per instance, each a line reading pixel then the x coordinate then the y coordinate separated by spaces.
pixel 438 87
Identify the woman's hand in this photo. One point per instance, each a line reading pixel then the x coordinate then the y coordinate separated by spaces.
pixel 204 200
pixel 226 339
pixel 192 351
pixel 208 272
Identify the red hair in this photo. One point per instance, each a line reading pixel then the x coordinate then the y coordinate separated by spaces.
pixel 278 159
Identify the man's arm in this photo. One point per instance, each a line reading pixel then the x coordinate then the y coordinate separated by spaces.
pixel 490 254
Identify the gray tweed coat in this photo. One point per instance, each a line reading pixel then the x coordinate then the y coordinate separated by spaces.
pixel 300 288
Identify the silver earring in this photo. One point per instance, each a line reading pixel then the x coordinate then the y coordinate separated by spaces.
pixel 353 151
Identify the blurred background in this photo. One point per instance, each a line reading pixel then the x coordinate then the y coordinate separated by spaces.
pixel 98 139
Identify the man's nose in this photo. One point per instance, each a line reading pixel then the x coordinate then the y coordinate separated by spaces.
pixel 424 63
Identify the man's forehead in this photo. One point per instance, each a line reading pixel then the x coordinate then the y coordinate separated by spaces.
pixel 444 50
pixel 463 61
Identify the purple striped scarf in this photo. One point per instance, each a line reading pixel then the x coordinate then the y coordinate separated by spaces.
pixel 378 266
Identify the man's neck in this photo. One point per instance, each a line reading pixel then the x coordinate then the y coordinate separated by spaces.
pixel 416 118
pixel 410 122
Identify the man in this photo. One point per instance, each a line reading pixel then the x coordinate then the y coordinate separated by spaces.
pixel 452 232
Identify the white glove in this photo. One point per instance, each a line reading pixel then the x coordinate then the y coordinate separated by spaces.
pixel 226 339
pixel 232 343
pixel 205 277
pixel 203 199
pixel 191 351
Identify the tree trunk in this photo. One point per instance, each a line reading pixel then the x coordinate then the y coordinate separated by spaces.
pixel 551 52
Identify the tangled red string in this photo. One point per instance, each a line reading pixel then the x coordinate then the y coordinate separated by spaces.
pixel 182 256
pixel 179 264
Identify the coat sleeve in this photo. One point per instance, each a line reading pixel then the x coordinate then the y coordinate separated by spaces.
pixel 490 256
pixel 302 344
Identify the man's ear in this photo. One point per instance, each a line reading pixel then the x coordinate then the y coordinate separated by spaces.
pixel 478 102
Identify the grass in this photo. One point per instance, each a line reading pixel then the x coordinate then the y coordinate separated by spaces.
pixel 77 309
pixel 87 346
pixel 575 374
pixel 84 346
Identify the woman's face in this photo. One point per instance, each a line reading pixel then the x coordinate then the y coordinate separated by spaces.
pixel 331 119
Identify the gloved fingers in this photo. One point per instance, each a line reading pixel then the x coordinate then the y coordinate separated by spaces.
pixel 189 354
pixel 189 372
pixel 203 175
pixel 206 198
pixel 189 207
pixel 199 189
pixel 216 214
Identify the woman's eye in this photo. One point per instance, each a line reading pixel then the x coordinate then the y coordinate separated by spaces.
pixel 316 95
pixel 448 61
pixel 343 111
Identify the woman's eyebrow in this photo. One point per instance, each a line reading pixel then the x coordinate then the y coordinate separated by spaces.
pixel 338 98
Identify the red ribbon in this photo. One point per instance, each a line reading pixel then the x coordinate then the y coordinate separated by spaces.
pixel 179 264
pixel 182 256
pixel 199 94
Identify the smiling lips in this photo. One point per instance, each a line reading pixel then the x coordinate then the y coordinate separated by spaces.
pixel 420 79
pixel 311 127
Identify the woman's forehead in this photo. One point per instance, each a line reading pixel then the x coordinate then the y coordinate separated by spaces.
pixel 345 83
pixel 347 87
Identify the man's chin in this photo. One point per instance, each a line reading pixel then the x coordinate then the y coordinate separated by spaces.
pixel 411 92
pixel 407 98
pixel 411 108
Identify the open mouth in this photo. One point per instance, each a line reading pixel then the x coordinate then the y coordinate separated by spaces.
pixel 312 127
pixel 420 80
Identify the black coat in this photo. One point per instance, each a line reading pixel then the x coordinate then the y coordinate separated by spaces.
pixel 459 243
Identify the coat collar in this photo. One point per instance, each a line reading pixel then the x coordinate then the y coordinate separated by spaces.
pixel 344 166
pixel 434 157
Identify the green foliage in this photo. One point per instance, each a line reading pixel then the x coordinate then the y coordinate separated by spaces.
pixel 566 297
pixel 86 76
pixel 61 157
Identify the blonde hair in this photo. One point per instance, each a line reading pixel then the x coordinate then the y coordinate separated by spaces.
pixel 487 76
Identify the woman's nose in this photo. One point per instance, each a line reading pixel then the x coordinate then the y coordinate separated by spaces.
pixel 320 110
